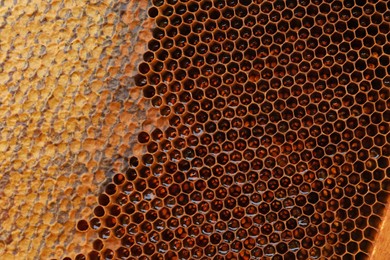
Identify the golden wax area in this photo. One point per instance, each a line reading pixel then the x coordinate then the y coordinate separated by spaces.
pixel 66 109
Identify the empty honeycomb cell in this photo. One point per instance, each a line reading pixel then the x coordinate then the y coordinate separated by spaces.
pixel 276 137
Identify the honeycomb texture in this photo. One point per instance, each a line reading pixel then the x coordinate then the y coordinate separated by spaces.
pixel 277 143
pixel 68 113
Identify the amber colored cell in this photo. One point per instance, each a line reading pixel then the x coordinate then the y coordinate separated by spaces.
pixel 82 225
pixel 276 137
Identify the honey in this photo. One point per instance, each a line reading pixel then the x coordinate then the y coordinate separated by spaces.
pixel 276 145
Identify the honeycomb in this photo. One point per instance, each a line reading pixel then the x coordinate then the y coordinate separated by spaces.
pixel 69 109
pixel 277 137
